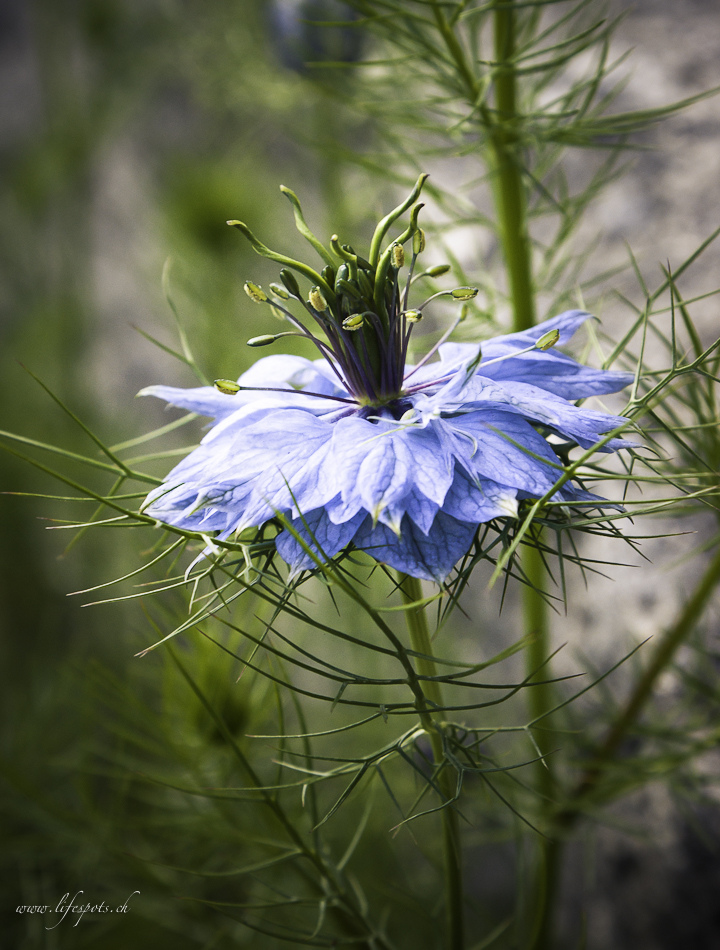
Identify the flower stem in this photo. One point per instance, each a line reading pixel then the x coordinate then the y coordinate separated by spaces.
pixel 540 701
pixel 511 211
pixel 452 851
pixel 510 198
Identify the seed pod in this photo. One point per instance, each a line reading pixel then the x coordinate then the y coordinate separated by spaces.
pixel 418 241
pixel 343 274
pixel 348 287
pixel 398 255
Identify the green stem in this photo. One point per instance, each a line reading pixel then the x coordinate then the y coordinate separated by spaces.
pixel 511 211
pixel 540 700
pixel 506 168
pixel 452 850
pixel 510 198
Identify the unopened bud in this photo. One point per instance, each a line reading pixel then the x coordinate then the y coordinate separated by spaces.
pixel 265 340
pixel 280 291
pixel 413 316
pixel 255 293
pixel 464 293
pixel 288 278
pixel 317 301
pixel 227 386
pixel 398 255
pixel 353 322
pixel 438 271
pixel 418 241
pixel 548 340
pixel 343 273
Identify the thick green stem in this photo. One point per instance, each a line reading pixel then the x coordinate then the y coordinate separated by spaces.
pixel 510 197
pixel 452 851
pixel 511 212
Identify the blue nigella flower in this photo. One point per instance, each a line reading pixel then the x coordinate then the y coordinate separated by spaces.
pixel 358 448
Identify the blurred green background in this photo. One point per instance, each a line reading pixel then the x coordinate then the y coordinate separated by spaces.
pixel 129 133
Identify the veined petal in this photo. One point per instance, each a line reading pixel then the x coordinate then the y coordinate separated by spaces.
pixel 558 374
pixel 321 534
pixel 550 370
pixel 430 556
pixel 584 426
pixel 293 373
pixel 477 500
pixel 453 355
pixel 503 447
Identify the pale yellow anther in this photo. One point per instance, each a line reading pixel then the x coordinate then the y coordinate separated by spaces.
pixel 255 293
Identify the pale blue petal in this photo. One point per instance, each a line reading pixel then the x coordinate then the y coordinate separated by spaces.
pixel 430 556
pixel 386 467
pixel 477 500
pixel 584 426
pixel 549 369
pixel 503 447
pixel 558 374
pixel 205 400
pixel 317 530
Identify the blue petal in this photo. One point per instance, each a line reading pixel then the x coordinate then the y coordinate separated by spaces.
pixel 380 464
pixel 317 530
pixel 503 447
pixel 430 556
pixel 558 374
pixel 477 500
pixel 279 371
pixel 549 370
pixel 205 400
pixel 584 426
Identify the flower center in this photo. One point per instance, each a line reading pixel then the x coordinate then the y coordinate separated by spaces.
pixel 359 308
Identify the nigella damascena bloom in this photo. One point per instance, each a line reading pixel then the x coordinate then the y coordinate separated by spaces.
pixel 359 448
